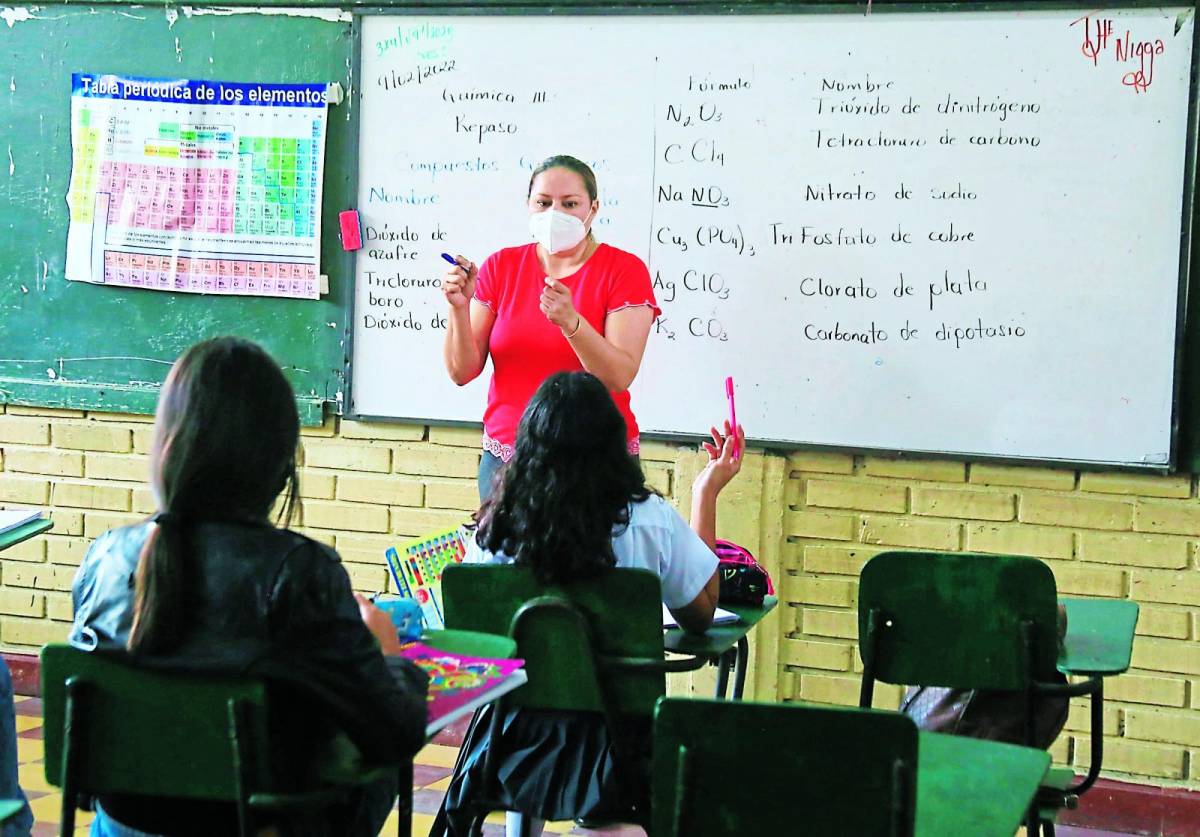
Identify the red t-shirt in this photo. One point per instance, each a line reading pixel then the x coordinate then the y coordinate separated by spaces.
pixel 527 348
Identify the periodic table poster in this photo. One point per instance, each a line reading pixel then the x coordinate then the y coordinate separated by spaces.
pixel 196 186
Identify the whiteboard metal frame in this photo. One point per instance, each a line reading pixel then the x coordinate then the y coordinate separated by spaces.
pixel 1186 243
pixel 343 407
pixel 649 8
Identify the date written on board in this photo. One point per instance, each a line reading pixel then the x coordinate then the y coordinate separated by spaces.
pixel 421 73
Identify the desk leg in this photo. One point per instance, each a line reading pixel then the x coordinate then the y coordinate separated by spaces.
pixel 404 802
pixel 739 676
pixel 724 663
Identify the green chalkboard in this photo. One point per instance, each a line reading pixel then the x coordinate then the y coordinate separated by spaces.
pixel 83 346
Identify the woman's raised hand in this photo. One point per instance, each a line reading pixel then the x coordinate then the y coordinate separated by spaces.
pixel 725 454
pixel 459 282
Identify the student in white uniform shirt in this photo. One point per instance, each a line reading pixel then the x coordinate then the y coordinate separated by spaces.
pixel 573 503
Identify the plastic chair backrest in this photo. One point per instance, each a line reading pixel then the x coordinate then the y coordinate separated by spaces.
pixel 735 767
pixel 148 732
pixel 958 619
pixel 622 614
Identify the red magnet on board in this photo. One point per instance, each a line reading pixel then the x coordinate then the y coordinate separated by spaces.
pixel 351 234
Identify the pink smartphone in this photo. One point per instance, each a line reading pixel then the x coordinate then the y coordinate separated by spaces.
pixel 732 416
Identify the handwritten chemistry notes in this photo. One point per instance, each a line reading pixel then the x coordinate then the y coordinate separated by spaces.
pixel 948 232
pixel 196 186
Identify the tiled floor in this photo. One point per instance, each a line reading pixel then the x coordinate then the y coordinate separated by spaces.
pixel 431 774
pixel 44 799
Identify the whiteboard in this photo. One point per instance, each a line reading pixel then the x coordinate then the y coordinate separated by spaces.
pixel 952 232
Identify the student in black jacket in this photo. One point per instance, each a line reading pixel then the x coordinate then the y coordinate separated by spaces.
pixel 210 583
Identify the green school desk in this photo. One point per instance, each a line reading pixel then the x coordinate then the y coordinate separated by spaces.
pixel 1099 640
pixel 24 532
pixel 725 644
pixel 971 786
pixel 1098 644
pixel 879 774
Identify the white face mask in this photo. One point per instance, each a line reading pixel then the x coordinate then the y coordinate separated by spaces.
pixel 556 231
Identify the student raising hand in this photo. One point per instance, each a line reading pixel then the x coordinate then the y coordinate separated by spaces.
pixel 724 461
pixel 571 506
pixel 724 458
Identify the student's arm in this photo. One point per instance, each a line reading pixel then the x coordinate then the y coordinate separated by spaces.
pixel 102 594
pixel 721 468
pixel 86 600
pixel 697 615
pixel 468 325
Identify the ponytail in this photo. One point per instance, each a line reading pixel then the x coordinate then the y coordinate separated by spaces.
pixel 161 584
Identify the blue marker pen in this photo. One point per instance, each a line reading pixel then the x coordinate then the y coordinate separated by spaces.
pixel 450 259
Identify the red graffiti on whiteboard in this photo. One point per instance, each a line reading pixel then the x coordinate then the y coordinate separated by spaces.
pixel 1099 34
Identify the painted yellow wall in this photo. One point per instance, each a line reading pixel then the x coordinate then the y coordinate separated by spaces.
pixel 812 518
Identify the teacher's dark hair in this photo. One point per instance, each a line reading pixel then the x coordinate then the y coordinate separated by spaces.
pixel 570 482
pixel 566 161
pixel 225 439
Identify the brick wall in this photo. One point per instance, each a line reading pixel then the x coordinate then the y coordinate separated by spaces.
pixel 1109 535
pixel 812 518
pixel 364 488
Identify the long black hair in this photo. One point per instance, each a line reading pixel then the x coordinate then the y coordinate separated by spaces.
pixel 570 482
pixel 225 439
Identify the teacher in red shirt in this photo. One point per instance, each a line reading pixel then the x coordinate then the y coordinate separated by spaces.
pixel 566 302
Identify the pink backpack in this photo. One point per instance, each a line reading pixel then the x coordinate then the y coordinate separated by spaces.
pixel 743 580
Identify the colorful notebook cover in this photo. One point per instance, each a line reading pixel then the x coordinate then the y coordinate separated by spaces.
pixel 458 684
pixel 417 570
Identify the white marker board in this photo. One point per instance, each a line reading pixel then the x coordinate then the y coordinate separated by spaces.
pixel 953 232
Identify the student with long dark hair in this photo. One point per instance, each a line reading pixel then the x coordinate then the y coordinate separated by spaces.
pixel 571 505
pixel 210 583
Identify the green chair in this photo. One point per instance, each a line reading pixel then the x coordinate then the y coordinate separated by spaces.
pixel 736 768
pixel 591 647
pixel 990 622
pixel 739 768
pixel 115 728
